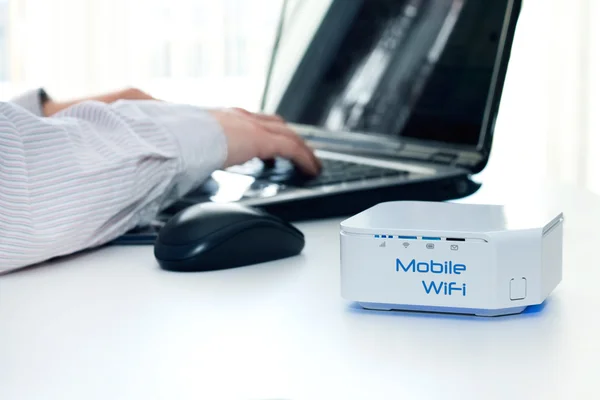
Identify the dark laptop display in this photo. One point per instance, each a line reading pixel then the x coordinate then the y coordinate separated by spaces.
pixel 417 69
pixel 427 71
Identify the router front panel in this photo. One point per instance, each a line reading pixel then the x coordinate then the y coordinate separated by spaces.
pixel 460 258
pixel 407 271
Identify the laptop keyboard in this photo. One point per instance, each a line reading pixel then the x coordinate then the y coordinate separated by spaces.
pixel 334 171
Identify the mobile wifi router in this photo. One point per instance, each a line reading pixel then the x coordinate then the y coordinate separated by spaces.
pixel 486 260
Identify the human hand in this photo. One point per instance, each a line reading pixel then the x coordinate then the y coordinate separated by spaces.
pixel 51 107
pixel 251 135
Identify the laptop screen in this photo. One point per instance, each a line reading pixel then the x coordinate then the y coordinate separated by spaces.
pixel 420 69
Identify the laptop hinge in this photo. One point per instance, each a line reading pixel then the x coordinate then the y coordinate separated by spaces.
pixel 444 158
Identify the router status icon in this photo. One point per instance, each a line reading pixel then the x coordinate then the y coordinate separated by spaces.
pixel 405 244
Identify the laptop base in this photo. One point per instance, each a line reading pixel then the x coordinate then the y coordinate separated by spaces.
pixel 347 203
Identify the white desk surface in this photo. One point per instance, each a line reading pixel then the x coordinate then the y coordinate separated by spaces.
pixel 111 325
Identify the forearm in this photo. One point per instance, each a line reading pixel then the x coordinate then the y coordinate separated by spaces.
pixel 52 107
pixel 40 104
pixel 95 171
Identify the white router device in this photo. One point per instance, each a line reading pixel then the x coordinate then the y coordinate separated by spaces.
pixel 486 260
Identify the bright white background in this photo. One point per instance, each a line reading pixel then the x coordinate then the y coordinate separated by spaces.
pixel 210 52
pixel 215 52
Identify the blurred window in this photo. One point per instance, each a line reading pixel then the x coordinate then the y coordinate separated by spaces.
pixel 205 52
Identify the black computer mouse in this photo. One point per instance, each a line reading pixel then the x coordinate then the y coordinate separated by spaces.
pixel 216 236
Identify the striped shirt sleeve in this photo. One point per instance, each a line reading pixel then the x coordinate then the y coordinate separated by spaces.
pixel 32 101
pixel 94 171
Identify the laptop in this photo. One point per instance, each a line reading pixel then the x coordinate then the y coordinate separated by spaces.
pixel 398 97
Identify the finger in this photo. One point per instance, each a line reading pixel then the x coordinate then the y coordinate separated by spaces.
pixel 283 146
pixel 259 116
pixel 269 117
pixel 282 129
